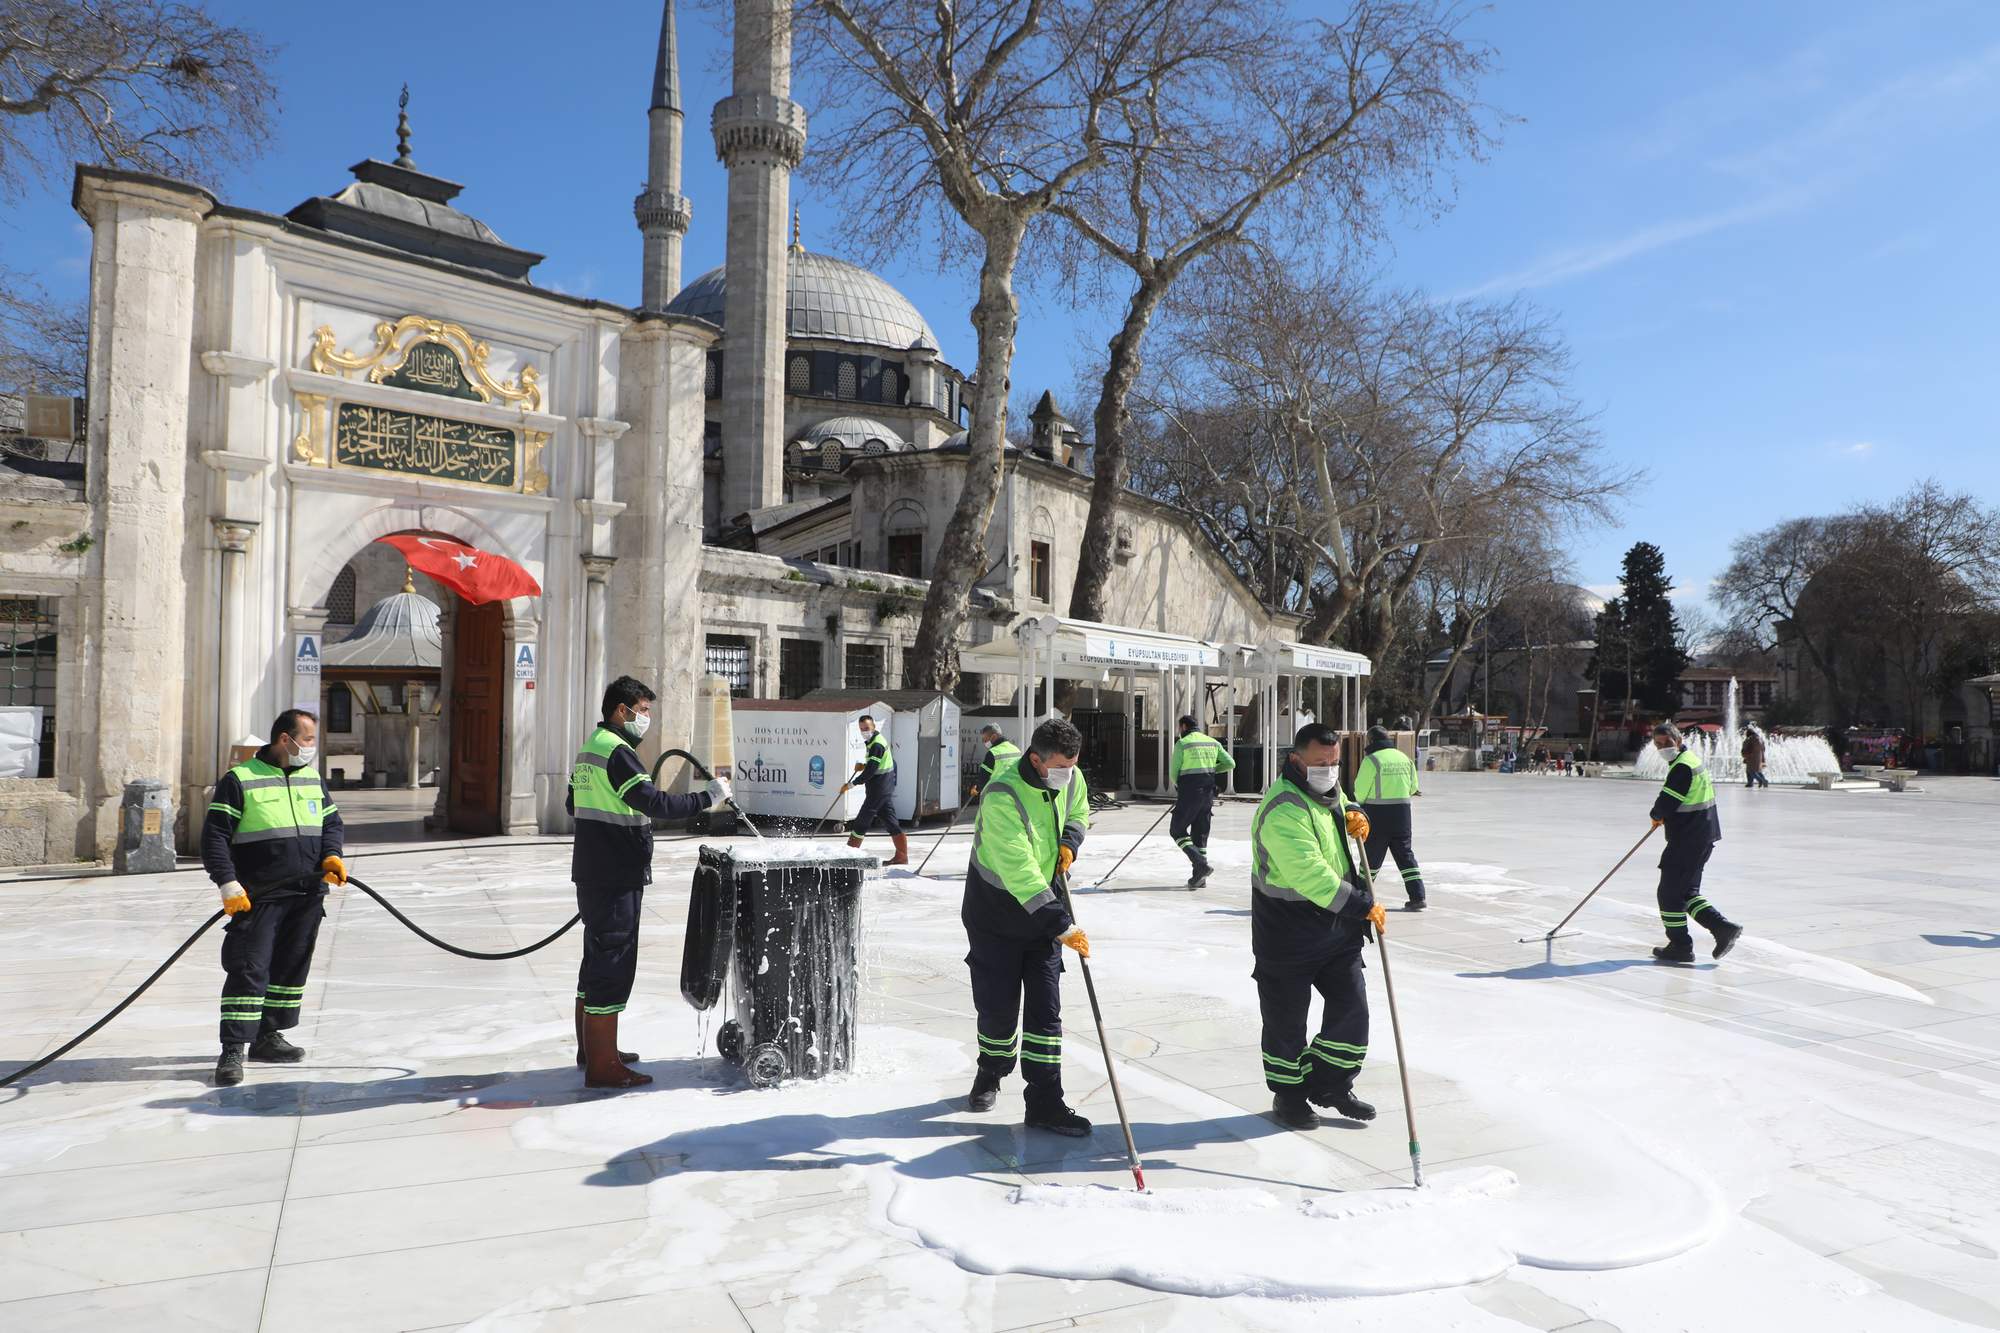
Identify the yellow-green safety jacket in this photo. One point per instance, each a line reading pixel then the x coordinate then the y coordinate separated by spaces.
pixel 614 803
pixel 1198 760
pixel 1009 882
pixel 1304 892
pixel 1386 777
pixel 1001 753
pixel 269 826
pixel 1686 803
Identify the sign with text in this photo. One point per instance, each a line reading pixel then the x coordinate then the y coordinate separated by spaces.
pixel 306 658
pixel 1147 652
pixel 524 661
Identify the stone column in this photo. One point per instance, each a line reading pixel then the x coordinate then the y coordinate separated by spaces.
pixel 233 536
pixel 142 290
pixel 760 136
pixel 597 577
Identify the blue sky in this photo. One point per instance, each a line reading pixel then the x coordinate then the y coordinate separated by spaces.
pixel 1767 230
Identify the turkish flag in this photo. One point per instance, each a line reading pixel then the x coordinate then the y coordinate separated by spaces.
pixel 477 576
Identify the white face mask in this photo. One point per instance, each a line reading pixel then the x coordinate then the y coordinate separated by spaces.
pixel 306 755
pixel 1321 780
pixel 639 723
pixel 1058 778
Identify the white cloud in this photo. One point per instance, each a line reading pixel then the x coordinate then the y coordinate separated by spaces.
pixel 1851 448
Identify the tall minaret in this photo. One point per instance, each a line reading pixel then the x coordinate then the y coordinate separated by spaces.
pixel 760 135
pixel 663 212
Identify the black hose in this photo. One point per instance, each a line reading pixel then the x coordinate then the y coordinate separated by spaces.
pixel 700 768
pixel 91 1031
pixel 429 938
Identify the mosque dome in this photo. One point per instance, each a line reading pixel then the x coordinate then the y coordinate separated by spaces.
pixel 862 435
pixel 399 632
pixel 824 298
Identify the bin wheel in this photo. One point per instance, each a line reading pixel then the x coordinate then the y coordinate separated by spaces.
pixel 729 1042
pixel 766 1065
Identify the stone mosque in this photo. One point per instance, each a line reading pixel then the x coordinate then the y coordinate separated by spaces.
pixel 748 474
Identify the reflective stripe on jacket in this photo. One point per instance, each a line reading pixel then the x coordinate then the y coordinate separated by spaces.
pixel 268 825
pixel 1686 803
pixel 1000 754
pixel 1386 777
pixel 1199 754
pixel 1300 874
pixel 615 803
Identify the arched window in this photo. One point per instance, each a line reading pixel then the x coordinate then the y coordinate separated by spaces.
pixel 340 602
pixel 711 380
pixel 903 528
pixel 799 375
pixel 847 383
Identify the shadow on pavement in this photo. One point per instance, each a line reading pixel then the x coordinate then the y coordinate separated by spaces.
pixel 1971 940
pixel 1547 971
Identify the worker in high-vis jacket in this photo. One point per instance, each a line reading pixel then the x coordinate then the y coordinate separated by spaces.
pixel 1686 807
pixel 999 752
pixel 613 800
pixel 1196 765
pixel 1309 918
pixel 272 844
pixel 1385 783
pixel 876 775
pixel 1031 822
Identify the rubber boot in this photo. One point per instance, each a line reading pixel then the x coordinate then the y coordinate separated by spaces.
pixel 1726 934
pixel 854 842
pixel 985 1091
pixel 271 1048
pixel 902 856
pixel 1202 869
pixel 624 1057
pixel 1679 948
pixel 229 1069
pixel 602 1067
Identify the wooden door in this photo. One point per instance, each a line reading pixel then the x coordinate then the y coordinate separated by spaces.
pixel 478 694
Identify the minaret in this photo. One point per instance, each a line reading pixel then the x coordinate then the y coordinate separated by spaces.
pixel 760 135
pixel 663 212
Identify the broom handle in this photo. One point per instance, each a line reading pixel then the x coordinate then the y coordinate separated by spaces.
pixel 1602 882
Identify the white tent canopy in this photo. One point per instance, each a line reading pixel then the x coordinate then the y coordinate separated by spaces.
pixel 1047 648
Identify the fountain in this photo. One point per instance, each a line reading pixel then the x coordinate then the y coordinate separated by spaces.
pixel 1791 760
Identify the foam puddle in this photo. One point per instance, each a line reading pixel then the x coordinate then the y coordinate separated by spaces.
pixel 1579 1207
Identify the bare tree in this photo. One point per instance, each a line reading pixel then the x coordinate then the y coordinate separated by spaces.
pixel 1766 588
pixel 138 84
pixel 1285 122
pixel 981 117
pixel 1465 584
pixel 44 342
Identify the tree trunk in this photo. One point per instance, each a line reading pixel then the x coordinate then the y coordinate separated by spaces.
pixel 1108 459
pixel 932 663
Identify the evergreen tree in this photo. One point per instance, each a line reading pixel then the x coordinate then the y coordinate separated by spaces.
pixel 1652 630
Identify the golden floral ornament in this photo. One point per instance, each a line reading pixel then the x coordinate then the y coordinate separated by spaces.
pixel 534 471
pixel 309 446
pixel 396 342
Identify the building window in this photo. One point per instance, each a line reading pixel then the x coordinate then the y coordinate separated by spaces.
pixel 1038 571
pixel 339 709
pixel 864 666
pixel 971 689
pixel 340 602
pixel 27 687
pixel 906 554
pixel 799 375
pixel 711 380
pixel 890 392
pixel 798 667
pixel 728 656
pixel 847 385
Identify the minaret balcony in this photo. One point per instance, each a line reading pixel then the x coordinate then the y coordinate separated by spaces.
pixel 663 210
pixel 752 126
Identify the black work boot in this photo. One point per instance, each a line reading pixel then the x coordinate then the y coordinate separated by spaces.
pixel 1416 903
pixel 1054 1115
pixel 1202 869
pixel 1676 950
pixel 1344 1101
pixel 1726 934
pixel 271 1048
pixel 1293 1111
pixel 985 1088
pixel 229 1069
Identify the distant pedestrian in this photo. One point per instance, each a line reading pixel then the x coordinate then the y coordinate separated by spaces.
pixel 1198 762
pixel 876 775
pixel 1385 783
pixel 1753 759
pixel 1686 807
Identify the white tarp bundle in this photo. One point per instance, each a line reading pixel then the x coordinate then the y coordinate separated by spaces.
pixel 20 742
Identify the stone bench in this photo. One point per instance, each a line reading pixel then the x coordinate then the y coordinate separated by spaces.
pixel 1824 781
pixel 1895 779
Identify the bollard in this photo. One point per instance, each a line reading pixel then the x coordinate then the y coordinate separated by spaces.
pixel 145 829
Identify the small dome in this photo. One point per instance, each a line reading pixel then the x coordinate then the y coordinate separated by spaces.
pixel 862 435
pixel 824 298
pixel 400 631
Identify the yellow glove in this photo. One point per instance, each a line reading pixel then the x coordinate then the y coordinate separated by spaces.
pixel 234 899
pixel 1357 824
pixel 334 870
pixel 1378 917
pixel 1065 858
pixel 1078 941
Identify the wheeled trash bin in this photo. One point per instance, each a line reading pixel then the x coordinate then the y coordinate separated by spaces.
pixel 771 935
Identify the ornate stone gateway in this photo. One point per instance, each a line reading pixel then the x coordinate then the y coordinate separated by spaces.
pixel 422 355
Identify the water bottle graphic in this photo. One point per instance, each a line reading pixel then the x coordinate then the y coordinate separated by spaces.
pixel 816 771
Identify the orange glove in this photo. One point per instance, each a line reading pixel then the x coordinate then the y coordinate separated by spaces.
pixel 234 899
pixel 846 787
pixel 1065 858
pixel 1658 822
pixel 334 870
pixel 1078 941
pixel 1357 824
pixel 1378 917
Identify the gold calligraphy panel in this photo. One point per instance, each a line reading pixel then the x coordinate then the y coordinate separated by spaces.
pixel 413 444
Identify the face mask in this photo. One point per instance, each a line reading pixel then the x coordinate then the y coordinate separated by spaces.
pixel 639 723
pixel 1058 778
pixel 306 755
pixel 1321 780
